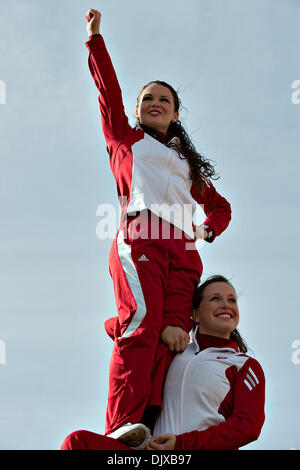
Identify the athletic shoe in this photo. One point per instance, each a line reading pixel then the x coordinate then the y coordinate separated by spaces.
pixel 142 446
pixel 132 435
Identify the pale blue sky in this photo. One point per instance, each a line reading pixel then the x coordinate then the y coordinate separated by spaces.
pixel 233 62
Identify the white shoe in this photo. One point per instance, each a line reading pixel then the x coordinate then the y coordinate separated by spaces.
pixel 133 435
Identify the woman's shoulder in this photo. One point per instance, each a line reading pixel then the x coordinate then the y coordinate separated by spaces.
pixel 251 364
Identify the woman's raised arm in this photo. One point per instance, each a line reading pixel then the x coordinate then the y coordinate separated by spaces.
pixel 114 120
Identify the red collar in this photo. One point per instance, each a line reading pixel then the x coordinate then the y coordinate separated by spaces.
pixel 208 341
pixel 162 136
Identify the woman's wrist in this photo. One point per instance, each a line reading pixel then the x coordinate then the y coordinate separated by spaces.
pixel 93 33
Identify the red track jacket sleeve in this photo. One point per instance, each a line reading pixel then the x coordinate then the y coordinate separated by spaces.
pixel 114 120
pixel 215 206
pixel 245 421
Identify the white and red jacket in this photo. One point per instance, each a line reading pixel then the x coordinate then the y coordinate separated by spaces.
pixel 149 175
pixel 213 397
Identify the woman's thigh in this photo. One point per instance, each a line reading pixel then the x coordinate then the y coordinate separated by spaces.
pixel 87 440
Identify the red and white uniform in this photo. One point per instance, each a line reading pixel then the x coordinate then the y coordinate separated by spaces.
pixel 213 397
pixel 154 276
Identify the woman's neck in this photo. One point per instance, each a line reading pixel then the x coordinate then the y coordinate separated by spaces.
pixel 161 136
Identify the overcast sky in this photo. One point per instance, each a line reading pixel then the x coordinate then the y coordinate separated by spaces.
pixel 235 63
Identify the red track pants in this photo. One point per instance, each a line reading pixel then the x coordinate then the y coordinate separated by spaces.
pixel 155 269
pixel 87 440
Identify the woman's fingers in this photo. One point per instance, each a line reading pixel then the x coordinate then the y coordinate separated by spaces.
pixel 162 442
pixel 182 341
pixel 175 338
pixel 155 443
pixel 92 14
pixel 89 14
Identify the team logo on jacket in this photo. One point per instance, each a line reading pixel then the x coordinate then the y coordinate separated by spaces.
pixel 143 258
pixel 222 357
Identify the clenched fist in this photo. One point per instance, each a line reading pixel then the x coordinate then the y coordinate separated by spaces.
pixel 93 18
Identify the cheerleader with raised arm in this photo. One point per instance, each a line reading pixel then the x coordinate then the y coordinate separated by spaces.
pixel 153 261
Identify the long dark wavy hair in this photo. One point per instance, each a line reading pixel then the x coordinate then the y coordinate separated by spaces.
pixel 199 165
pixel 235 335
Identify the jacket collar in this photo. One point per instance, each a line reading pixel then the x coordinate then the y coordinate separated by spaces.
pixel 202 341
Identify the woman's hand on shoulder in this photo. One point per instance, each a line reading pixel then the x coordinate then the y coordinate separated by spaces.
pixel 93 18
pixel 175 338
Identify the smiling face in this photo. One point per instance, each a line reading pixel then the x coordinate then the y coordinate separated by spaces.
pixel 218 313
pixel 156 107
